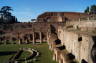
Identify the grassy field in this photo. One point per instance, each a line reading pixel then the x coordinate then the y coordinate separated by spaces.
pixel 45 57
pixel 24 54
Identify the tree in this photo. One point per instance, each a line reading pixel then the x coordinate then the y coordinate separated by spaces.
pixel 6 15
pixel 91 9
pixel 6 10
pixel 87 10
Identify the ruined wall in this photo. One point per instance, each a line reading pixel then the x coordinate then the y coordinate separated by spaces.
pixel 87 25
pixel 78 42
pixel 81 48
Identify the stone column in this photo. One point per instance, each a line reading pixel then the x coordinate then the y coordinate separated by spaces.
pixel 40 34
pixel 79 19
pixel 48 38
pixel 54 56
pixel 33 38
pixel 88 18
pixel 19 41
pixel 5 42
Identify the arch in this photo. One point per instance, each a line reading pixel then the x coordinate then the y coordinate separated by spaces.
pixel 83 61
pixel 61 47
pixel 25 37
pixel 71 56
pixel 61 60
pixel 94 39
pixel 58 41
pixel 14 38
pixel 79 38
pixel 37 35
pixel 52 29
pixel 31 36
pixel 93 50
pixel 93 53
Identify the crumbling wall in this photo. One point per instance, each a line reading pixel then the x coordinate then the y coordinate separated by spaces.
pixel 78 44
pixel 88 25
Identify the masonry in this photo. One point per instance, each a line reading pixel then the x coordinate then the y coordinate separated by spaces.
pixel 71 36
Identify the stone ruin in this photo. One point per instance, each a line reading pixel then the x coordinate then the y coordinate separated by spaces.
pixel 70 35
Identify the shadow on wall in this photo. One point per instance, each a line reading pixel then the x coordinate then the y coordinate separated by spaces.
pixel 93 51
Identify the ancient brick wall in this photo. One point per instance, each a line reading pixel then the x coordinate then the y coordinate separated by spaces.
pixel 78 42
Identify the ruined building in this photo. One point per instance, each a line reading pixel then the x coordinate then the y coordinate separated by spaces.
pixel 71 36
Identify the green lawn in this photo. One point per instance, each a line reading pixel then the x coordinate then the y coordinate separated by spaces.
pixel 24 54
pixel 45 57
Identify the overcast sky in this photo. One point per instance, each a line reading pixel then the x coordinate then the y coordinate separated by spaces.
pixel 25 10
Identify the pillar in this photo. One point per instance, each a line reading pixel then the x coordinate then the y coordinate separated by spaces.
pixel 5 42
pixel 33 38
pixel 48 38
pixel 19 41
pixel 88 18
pixel 40 34
pixel 54 56
pixel 79 19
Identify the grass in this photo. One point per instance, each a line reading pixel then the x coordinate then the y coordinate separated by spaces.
pixel 24 54
pixel 45 57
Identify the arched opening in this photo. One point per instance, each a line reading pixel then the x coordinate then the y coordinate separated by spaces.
pixel 73 62
pixel 93 53
pixel 31 37
pixel 94 39
pixel 21 41
pixel 61 47
pixel 61 61
pixel 52 29
pixel 37 37
pixel 57 41
pixel 14 39
pixel 70 56
pixel 79 38
pixel 93 50
pixel 44 37
pixel 83 61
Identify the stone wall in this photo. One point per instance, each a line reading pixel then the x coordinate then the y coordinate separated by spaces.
pixel 83 25
pixel 76 41
pixel 79 45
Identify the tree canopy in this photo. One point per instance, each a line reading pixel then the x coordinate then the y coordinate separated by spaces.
pixel 6 15
pixel 91 9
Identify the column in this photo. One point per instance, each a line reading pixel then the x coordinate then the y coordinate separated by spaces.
pixel 88 18
pixel 20 41
pixel 79 19
pixel 40 34
pixel 48 38
pixel 33 38
pixel 5 42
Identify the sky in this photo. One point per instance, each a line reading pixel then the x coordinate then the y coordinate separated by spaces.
pixel 25 10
